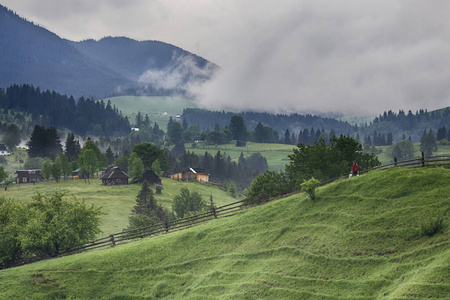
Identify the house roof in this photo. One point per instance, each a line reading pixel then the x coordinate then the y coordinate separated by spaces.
pixel 150 175
pixel 28 173
pixel 115 173
pixel 197 170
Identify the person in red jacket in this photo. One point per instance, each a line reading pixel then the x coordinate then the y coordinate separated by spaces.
pixel 355 168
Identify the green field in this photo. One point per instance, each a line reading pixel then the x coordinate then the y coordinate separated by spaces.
pixel 159 109
pixel 276 154
pixel 116 201
pixel 361 239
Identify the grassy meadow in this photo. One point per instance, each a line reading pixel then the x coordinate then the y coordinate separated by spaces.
pixel 116 201
pixel 361 239
pixel 276 154
pixel 159 109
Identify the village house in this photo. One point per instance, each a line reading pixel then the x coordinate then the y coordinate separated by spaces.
pixel 28 176
pixel 3 150
pixel 115 176
pixel 151 177
pixel 192 174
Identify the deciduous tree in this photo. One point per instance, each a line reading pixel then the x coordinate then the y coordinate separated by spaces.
pixel 11 136
pixel 187 202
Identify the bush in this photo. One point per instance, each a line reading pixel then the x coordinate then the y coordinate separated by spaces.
pixel 159 188
pixel 310 187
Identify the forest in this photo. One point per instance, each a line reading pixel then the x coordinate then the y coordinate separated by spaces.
pixel 46 108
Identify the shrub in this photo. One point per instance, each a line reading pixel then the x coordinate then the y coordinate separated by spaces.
pixel 310 187
pixel 159 188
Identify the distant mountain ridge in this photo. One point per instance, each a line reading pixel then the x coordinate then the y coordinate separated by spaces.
pixel 33 55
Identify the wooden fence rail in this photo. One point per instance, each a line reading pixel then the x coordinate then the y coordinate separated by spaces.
pixel 227 210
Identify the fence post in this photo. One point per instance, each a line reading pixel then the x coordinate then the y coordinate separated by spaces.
pixel 423 159
pixel 166 224
pixel 214 212
pixel 395 161
pixel 113 242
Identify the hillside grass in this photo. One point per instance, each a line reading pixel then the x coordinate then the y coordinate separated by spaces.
pixel 116 201
pixel 159 109
pixel 361 239
pixel 276 154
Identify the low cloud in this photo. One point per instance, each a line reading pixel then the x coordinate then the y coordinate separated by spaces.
pixel 351 57
pixel 355 57
pixel 182 72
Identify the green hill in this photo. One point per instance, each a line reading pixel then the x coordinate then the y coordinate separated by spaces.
pixel 361 239
pixel 116 201
pixel 159 109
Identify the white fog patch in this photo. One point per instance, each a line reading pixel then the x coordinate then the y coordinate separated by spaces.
pixel 181 73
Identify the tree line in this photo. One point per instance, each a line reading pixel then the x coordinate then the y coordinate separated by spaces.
pixel 82 116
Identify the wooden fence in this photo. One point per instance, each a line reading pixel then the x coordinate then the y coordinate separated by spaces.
pixel 215 212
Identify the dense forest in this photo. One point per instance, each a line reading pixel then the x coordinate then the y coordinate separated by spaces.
pixel 384 130
pixel 280 122
pixel 46 108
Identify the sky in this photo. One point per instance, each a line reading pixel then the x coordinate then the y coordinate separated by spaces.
pixel 357 58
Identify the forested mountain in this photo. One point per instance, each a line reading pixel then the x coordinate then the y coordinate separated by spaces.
pixel 294 122
pixel 46 108
pixel 133 58
pixel 30 54
pixel 407 125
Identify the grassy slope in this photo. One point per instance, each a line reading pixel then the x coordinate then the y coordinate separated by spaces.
pixel 156 107
pixel 276 154
pixel 116 201
pixel 360 240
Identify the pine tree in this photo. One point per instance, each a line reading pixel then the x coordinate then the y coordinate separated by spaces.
pixel 72 147
pixel 147 211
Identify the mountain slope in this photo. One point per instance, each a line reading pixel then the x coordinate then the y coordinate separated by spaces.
pixel 33 55
pixel 360 240
pixel 134 58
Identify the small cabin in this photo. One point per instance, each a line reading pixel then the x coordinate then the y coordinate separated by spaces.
pixel 151 177
pixel 192 173
pixel 115 176
pixel 28 176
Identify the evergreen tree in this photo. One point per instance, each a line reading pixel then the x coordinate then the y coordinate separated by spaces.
pixel 44 143
pixel 72 147
pixel 441 133
pixel 109 155
pixel 238 128
pixel 147 211
pixel 259 133
pixel 287 137
pixel 428 143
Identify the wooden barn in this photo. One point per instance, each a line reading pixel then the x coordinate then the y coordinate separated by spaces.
pixel 115 176
pixel 190 174
pixel 151 177
pixel 28 176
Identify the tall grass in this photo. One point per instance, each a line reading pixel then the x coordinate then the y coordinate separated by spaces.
pixel 360 239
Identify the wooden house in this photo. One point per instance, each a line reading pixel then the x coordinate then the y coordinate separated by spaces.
pixel 192 174
pixel 151 177
pixel 115 176
pixel 28 176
